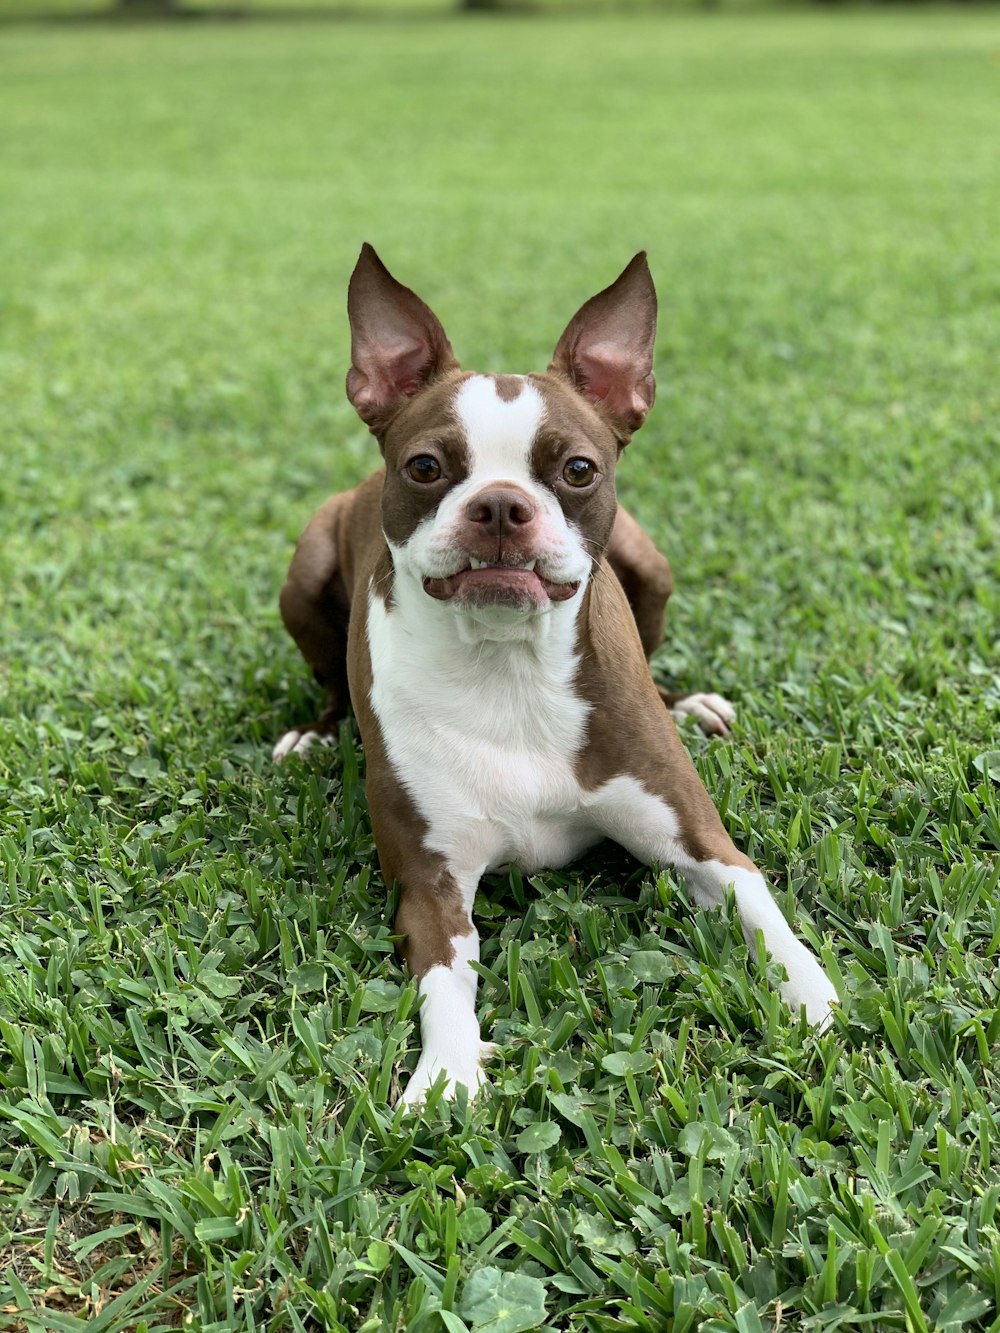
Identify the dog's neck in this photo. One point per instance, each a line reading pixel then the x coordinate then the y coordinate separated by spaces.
pixel 431 667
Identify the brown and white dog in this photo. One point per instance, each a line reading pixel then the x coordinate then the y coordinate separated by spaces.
pixel 488 609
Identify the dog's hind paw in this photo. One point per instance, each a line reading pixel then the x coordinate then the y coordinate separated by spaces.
pixel 299 741
pixel 714 714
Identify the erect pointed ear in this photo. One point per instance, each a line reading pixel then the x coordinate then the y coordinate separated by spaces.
pixel 397 343
pixel 607 349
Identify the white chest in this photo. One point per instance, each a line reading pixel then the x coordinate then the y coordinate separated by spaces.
pixel 484 737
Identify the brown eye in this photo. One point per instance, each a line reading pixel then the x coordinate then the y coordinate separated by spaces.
pixel 579 472
pixel 423 468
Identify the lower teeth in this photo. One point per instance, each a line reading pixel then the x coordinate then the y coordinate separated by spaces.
pixel 487 564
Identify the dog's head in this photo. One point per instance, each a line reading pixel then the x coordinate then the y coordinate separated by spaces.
pixel 499 494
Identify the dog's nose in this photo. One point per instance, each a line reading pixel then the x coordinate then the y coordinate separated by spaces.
pixel 500 510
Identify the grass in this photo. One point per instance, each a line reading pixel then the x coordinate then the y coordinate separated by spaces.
pixel 202 1023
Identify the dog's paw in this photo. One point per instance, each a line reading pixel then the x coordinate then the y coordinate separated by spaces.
pixel 713 713
pixel 467 1072
pixel 809 988
pixel 299 741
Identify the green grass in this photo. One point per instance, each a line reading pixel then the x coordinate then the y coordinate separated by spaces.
pixel 202 1023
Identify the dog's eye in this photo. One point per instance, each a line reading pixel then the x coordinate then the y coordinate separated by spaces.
pixel 423 468
pixel 579 472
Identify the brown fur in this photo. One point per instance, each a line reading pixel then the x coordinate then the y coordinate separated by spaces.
pixel 508 387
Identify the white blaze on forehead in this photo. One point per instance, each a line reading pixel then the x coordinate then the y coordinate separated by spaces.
pixel 499 432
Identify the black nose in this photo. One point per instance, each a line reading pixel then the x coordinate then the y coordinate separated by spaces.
pixel 499 510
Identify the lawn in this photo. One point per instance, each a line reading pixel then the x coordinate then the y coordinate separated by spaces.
pixel 203 1028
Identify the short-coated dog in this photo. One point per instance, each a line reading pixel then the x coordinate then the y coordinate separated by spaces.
pixel 487 609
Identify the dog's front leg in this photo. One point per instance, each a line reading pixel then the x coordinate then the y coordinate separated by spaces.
pixel 807 986
pixel 436 937
pixel 686 832
pixel 439 943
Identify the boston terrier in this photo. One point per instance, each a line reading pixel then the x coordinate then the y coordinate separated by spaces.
pixel 488 609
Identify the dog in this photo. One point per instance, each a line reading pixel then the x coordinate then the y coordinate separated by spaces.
pixel 488 609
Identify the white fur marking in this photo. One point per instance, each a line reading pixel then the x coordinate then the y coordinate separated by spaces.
pixel 449 1028
pixel 499 432
pixel 482 735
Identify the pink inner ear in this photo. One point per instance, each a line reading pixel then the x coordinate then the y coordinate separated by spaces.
pixel 397 342
pixel 606 374
pixel 388 370
pixel 404 366
pixel 606 350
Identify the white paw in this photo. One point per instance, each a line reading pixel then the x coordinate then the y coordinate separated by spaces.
pixel 809 988
pixel 299 742
pixel 714 714
pixel 466 1071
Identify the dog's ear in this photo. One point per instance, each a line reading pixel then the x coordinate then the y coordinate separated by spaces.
pixel 607 349
pixel 397 343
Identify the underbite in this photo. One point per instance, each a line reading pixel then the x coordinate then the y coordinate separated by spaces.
pixel 501 564
pixel 495 583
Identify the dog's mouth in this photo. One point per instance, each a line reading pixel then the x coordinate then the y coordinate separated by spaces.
pixel 499 583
